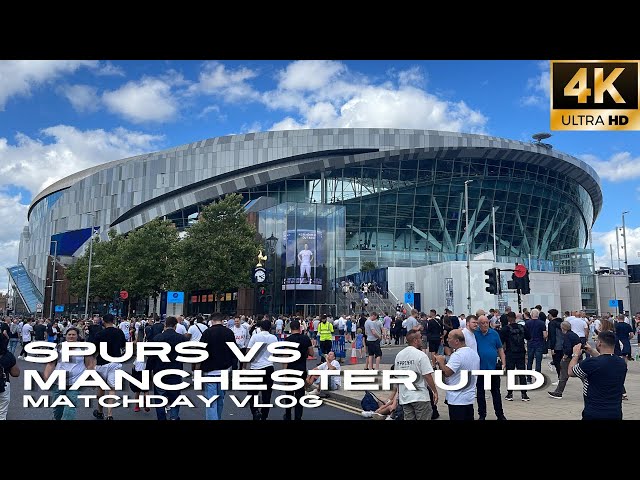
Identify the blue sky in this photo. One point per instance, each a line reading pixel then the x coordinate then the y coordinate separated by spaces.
pixel 59 117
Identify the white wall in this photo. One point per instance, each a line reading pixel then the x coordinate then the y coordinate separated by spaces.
pixel 606 284
pixel 635 298
pixel 430 283
pixel 570 293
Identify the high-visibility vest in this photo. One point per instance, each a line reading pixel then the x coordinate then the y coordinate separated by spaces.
pixel 325 329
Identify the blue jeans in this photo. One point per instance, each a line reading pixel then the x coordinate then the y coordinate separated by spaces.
pixel 13 344
pixel 536 351
pixel 171 396
pixel 214 412
pixel 63 412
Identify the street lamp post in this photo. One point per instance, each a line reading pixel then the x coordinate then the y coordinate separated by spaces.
pixel 613 277
pixel 626 265
pixel 53 278
pixel 272 243
pixel 466 229
pixel 86 303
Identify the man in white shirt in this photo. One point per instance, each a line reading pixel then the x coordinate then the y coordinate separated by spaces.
pixel 242 340
pixel 279 325
pixel 27 334
pixel 196 330
pixel 578 326
pixel 180 328
pixel 261 362
pixel 124 326
pixel 469 332
pixel 334 381
pixel 304 259
pixel 460 402
pixel 416 404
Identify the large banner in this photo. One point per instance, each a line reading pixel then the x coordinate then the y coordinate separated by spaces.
pixel 306 255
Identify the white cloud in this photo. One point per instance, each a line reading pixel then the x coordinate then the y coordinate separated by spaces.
pixel 538 88
pixel 20 77
pixel 388 107
pixel 602 240
pixel 83 98
pixel 309 74
pixel 231 85
pixel 412 76
pixel 109 69
pixel 619 167
pixel 147 100
pixel 14 216
pixel 207 110
pixel 36 163
pixel 326 94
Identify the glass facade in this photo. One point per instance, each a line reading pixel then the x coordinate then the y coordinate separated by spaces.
pixel 402 191
pixel 411 213
pixel 307 258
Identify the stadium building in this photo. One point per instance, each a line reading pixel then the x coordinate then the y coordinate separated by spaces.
pixel 392 197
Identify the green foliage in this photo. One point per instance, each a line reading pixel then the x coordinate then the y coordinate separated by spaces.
pixel 368 265
pixel 216 253
pixel 106 274
pixel 219 251
pixel 147 256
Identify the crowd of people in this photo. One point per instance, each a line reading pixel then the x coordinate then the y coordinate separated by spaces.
pixel 509 341
pixel 486 341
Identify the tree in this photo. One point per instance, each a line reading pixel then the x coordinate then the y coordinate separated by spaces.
pixel 106 271
pixel 368 265
pixel 219 251
pixel 147 258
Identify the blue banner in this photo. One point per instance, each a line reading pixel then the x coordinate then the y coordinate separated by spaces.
pixel 175 297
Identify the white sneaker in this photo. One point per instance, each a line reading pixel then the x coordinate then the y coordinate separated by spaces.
pixel 551 367
pixel 20 357
pixel 555 383
pixel 366 414
pixel 389 417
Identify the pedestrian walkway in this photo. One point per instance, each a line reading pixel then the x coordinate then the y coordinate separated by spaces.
pixel 541 406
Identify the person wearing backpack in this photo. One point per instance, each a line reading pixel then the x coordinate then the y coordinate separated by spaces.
pixel 512 337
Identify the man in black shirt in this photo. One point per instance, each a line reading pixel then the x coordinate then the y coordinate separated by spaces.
pixel 40 331
pixel 569 340
pixel 603 375
pixel 173 338
pixel 306 350
pixel 221 358
pixel 115 343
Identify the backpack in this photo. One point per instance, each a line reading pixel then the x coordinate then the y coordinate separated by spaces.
pixel 368 402
pixel 155 329
pixel 516 338
pixel 559 337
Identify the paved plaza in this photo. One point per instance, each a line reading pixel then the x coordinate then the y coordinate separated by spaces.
pixel 541 406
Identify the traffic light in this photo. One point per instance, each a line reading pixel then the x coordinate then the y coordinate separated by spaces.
pixel 524 284
pixel 520 283
pixel 493 280
pixel 262 294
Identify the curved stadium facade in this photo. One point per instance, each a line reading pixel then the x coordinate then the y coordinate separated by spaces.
pixel 402 193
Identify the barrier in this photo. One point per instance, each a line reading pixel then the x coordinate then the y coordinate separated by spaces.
pixel 337 345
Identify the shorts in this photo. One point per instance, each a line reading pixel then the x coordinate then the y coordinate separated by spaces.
pixel 373 348
pixel 434 345
pixel 108 372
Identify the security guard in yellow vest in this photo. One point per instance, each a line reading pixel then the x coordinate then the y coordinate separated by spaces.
pixel 325 331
